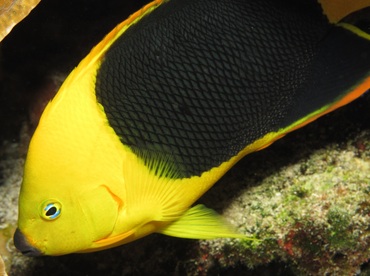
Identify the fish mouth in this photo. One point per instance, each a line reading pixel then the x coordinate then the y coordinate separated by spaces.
pixel 23 245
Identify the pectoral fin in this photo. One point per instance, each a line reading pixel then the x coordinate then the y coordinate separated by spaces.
pixel 200 222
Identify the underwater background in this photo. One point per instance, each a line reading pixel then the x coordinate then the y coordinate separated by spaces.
pixel 307 196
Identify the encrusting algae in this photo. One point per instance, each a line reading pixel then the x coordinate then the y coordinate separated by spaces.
pixel 313 212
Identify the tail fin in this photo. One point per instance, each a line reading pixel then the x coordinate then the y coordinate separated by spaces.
pixel 340 72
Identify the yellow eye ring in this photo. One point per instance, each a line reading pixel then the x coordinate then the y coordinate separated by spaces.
pixel 50 209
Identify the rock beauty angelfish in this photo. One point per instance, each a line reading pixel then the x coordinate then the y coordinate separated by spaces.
pixel 167 103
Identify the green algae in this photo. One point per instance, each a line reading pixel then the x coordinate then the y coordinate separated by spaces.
pixel 313 213
pixel 340 235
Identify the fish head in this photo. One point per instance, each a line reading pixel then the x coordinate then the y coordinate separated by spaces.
pixel 57 221
pixel 65 208
pixel 72 183
pixel 82 189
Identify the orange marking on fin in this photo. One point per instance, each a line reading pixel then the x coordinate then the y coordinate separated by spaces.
pixel 357 92
pixel 115 239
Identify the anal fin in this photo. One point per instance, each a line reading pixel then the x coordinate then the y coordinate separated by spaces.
pixel 200 222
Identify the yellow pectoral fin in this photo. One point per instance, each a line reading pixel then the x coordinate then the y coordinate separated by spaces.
pixel 200 222
pixel 152 191
pixel 113 240
pixel 110 242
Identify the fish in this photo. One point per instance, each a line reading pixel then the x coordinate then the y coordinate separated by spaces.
pixel 166 104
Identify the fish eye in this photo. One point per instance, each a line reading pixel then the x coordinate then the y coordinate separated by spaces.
pixel 50 209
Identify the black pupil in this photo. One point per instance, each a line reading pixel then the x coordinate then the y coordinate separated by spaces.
pixel 51 211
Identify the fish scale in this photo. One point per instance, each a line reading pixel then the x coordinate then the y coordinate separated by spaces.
pixel 230 75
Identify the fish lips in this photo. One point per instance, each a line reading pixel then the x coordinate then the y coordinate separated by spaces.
pixel 23 245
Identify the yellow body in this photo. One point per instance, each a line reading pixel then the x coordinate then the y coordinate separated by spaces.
pixel 105 194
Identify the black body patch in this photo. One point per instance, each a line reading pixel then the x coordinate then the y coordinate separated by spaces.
pixel 196 81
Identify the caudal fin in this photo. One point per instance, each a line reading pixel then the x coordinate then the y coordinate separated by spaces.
pixel 340 71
